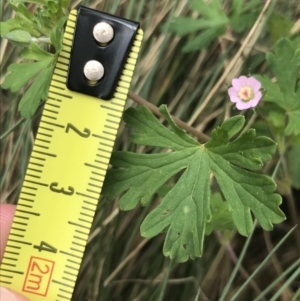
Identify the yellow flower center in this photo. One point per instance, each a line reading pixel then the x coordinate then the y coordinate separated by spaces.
pixel 246 94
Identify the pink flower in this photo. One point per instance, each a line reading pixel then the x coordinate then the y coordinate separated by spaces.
pixel 245 92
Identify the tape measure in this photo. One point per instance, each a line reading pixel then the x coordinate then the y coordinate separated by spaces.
pixel 69 159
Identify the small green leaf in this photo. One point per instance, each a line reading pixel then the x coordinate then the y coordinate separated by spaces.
pixel 36 93
pixel 18 37
pixel 21 73
pixel 8 26
pixel 285 64
pixel 57 34
pixel 293 126
pixel 183 26
pixel 221 216
pixel 185 210
pixel 34 52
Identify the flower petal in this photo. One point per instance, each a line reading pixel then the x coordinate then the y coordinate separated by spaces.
pixel 254 102
pixel 243 105
pixel 254 84
pixel 239 83
pixel 233 95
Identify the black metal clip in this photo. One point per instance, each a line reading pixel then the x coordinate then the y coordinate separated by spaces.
pixel 112 55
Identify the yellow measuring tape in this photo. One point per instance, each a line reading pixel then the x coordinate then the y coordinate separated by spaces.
pixel 63 182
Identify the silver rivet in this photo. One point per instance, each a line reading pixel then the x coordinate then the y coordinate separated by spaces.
pixel 93 71
pixel 103 32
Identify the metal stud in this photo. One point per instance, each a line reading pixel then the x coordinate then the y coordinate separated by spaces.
pixel 103 32
pixel 93 71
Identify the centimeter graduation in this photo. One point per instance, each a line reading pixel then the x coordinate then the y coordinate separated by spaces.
pixel 69 159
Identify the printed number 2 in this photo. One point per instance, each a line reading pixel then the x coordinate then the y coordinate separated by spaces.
pixel 86 132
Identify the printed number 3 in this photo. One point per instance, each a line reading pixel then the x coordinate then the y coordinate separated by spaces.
pixel 53 187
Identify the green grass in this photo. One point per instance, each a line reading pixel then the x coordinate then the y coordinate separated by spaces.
pixel 120 265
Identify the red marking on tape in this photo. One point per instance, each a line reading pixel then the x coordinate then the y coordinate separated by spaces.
pixel 38 276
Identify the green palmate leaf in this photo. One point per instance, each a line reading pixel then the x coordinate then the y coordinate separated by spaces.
pixel 21 73
pixel 185 209
pixel 221 216
pixel 36 93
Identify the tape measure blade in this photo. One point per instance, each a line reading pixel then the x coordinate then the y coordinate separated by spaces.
pixel 63 183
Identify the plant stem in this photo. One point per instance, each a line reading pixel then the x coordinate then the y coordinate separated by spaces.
pixel 154 109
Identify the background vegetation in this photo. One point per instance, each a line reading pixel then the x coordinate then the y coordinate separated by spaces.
pixel 192 78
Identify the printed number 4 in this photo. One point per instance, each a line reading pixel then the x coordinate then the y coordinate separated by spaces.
pixel 45 247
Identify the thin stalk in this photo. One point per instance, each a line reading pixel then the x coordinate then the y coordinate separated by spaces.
pixel 258 269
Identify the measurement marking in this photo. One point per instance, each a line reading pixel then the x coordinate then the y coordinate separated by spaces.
pixel 44 128
pixel 117 104
pixel 44 134
pixel 72 268
pixel 43 140
pixel 28 193
pixel 42 146
pixel 78 225
pixel 45 154
pixel 89 203
pixel 14 253
pixel 108 133
pixel 102 156
pixel 10 258
pixel 50 117
pixel 37 183
pixel 69 254
pixel 28 212
pixel 14 247
pixel 33 176
pixel 23 217
pixel 64 291
pixel 18 229
pixel 20 242
pixel 18 223
pixel 52 105
pixel 68 273
pixel 5 282
pixel 61 69
pixel 99 174
pixel 57 74
pixel 85 214
pixel 29 187
pixel 54 124
pixel 73 249
pixel 86 195
pixel 94 166
pixel 61 94
pixel 51 111
pixel 79 238
pixel 60 296
pixel 89 209
pixel 112 121
pixel 9 264
pixel 72 261
pixel 108 145
pixel 89 190
pixel 23 205
pixel 61 283
pixel 111 127
pixel 77 244
pixel 38 158
pixel 28 200
pixel 104 138
pixel 95 185
pixel 112 115
pixel 94 179
pixel 80 232
pixel 7 276
pixel 52 98
pixel 68 279
pixel 17 235
pixel 62 62
pixel 111 109
pixel 37 164
pixel 57 87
